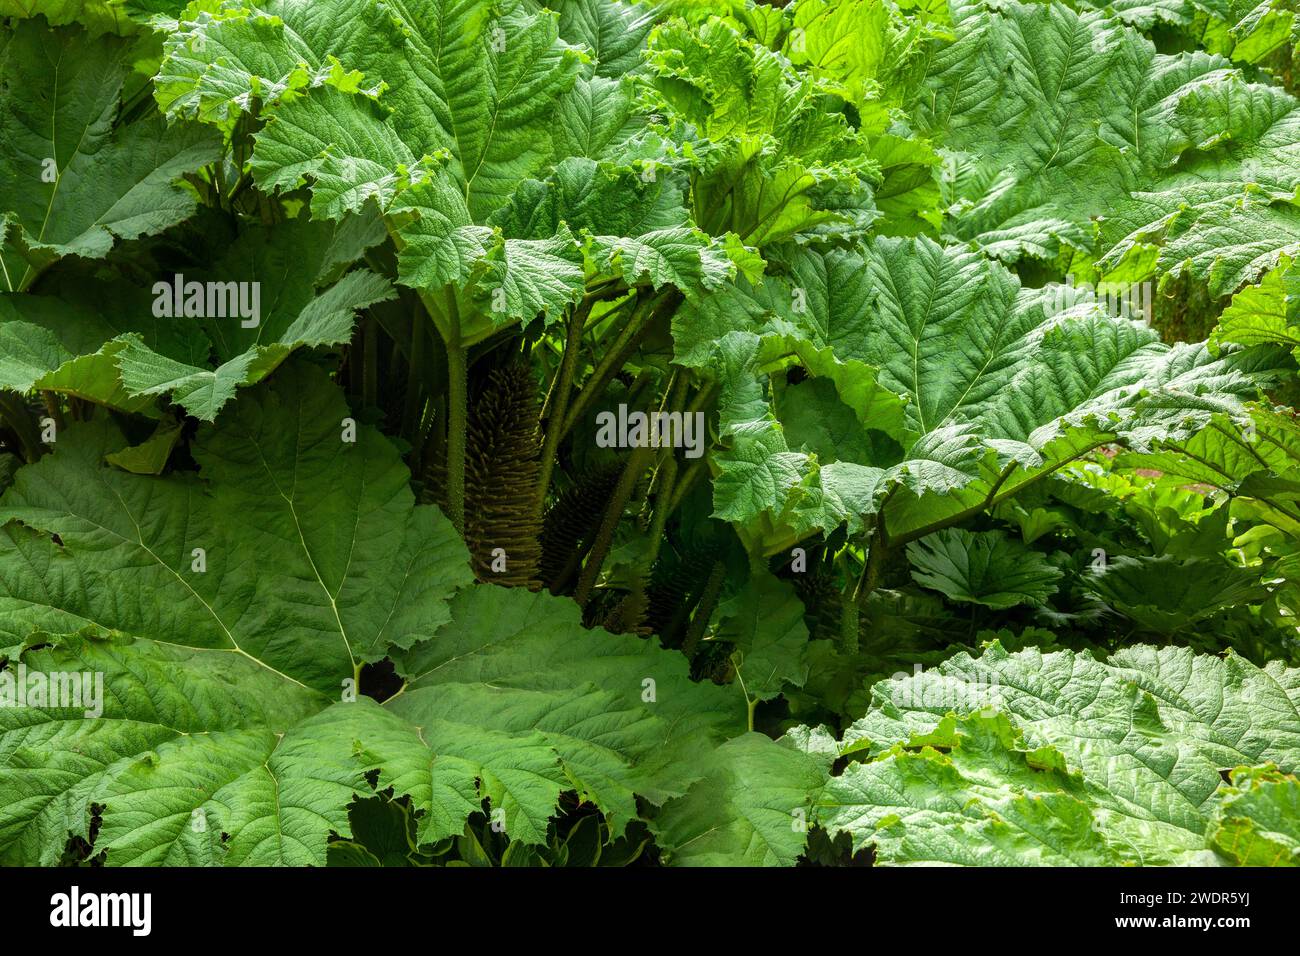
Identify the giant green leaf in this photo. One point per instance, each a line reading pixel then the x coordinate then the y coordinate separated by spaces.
pixel 293 546
pixel 285 265
pixel 120 17
pixel 557 707
pixel 613 33
pixel 997 385
pixel 70 344
pixel 450 120
pixel 1258 823
pixel 436 118
pixel 1060 757
pixel 1079 134
pixel 197 758
pixel 752 809
pixel 457 77
pixel 1166 595
pixel 969 793
pixel 114 344
pixel 203 757
pixel 982 567
pixel 81 179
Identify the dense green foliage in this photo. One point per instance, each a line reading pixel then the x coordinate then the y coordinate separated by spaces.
pixel 326 332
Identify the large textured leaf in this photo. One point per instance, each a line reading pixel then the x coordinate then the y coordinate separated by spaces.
pixel 752 809
pixel 780 160
pixel 997 385
pixel 776 494
pixel 1059 757
pixel 1079 133
pixel 970 793
pixel 203 757
pixel 286 264
pixel 115 344
pixel 466 92
pixel 865 48
pixel 613 33
pixel 312 555
pixel 1166 595
pixel 537 705
pixel 490 279
pixel 982 567
pixel 77 180
pixel 457 78
pixel 1248 31
pixel 70 344
pixel 451 119
pixel 1258 823
pixel 191 745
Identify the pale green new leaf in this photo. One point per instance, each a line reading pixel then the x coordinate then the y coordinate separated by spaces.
pixel 151 455
pixel 118 17
pixel 780 161
pixel 1265 313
